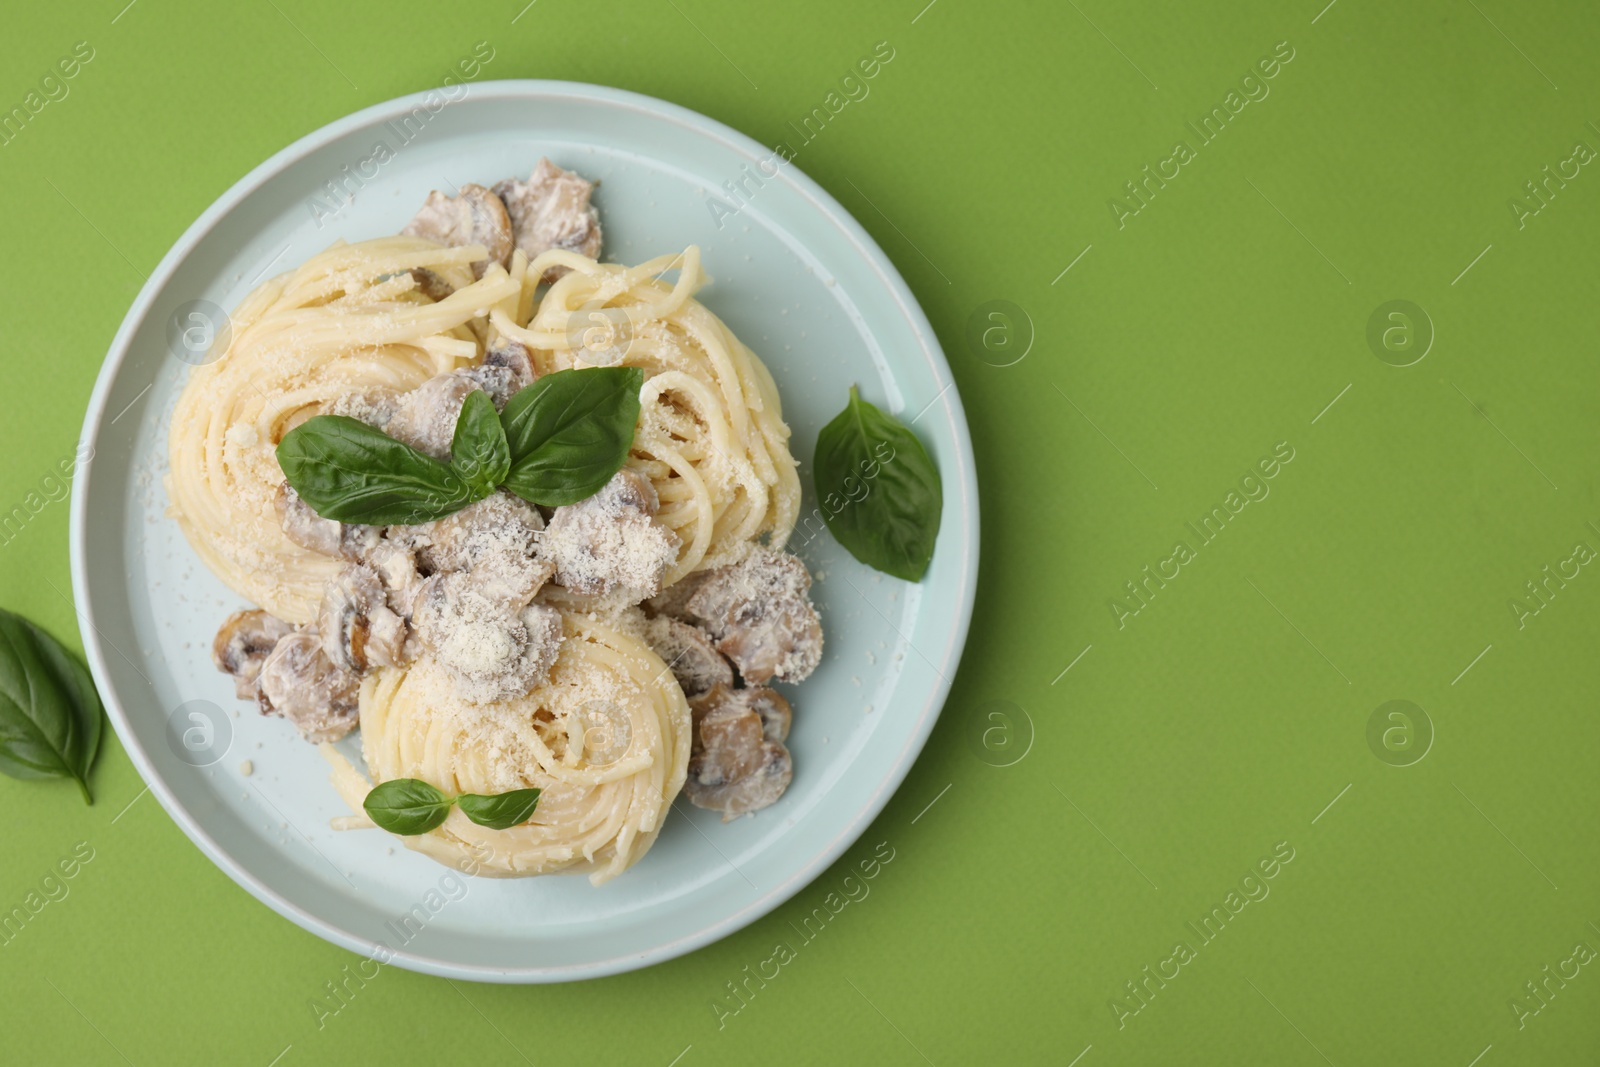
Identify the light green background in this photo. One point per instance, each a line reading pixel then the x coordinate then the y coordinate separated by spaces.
pixel 1177 751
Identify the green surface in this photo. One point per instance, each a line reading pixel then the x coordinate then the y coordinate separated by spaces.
pixel 1180 349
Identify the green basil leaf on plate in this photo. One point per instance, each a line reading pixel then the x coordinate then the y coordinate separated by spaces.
pixel 348 471
pixel 50 714
pixel 570 431
pixel 500 811
pixel 878 490
pixel 479 452
pixel 406 806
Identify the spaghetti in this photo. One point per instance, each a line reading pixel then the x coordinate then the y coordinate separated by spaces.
pixel 711 436
pixel 606 738
pixel 606 734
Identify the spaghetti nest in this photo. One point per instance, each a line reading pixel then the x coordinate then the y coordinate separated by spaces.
pixel 606 739
pixel 348 325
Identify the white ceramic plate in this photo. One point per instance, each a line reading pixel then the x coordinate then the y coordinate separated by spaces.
pixel 795 277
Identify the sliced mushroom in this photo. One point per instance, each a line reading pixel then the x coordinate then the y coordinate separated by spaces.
pixel 495 381
pixel 611 543
pixel 689 654
pixel 357 627
pixel 492 650
pixel 426 417
pixel 300 683
pixel 506 369
pixel 512 355
pixel 304 526
pixel 673 601
pixel 494 539
pixel 735 767
pixel 552 210
pixel 375 406
pixel 395 563
pixel 330 537
pixel 476 217
pixel 768 705
pixel 542 625
pixel 761 616
pixel 431 285
pixel 242 645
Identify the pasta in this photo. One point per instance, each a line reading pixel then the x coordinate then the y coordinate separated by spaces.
pixel 497 648
pixel 606 738
pixel 711 435
pixel 348 322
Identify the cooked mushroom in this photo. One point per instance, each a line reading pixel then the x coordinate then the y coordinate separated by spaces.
pixel 304 526
pixel 493 538
pixel 768 704
pixel 761 616
pixel 512 355
pixel 611 543
pixel 357 627
pixel 426 416
pixel 243 643
pixel 300 683
pixel 673 601
pixel 506 369
pixel 309 530
pixel 494 651
pixel 735 768
pixel 499 524
pixel 374 406
pixel 395 562
pixel 476 217
pixel 431 285
pixel 689 654
pixel 552 210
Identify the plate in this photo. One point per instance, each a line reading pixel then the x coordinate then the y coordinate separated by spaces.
pixel 794 276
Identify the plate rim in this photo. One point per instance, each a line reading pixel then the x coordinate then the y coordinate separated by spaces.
pixel 966 494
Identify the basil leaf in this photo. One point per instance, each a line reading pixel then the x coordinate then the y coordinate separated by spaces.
pixel 406 806
pixel 81 693
pixel 479 452
pixel 50 714
pixel 348 471
pixel 570 431
pixel 879 490
pixel 500 811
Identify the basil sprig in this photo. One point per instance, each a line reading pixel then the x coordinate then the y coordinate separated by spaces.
pixel 50 714
pixel 558 441
pixel 409 806
pixel 880 491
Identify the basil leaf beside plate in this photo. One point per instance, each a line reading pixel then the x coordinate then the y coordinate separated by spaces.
pixel 49 710
pixel 878 489
pixel 406 806
pixel 348 471
pixel 570 431
pixel 479 452
pixel 500 811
